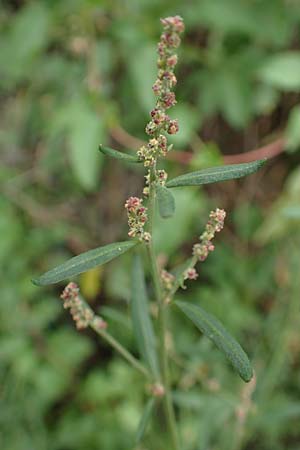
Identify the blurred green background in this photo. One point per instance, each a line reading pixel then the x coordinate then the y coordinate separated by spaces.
pixel 76 73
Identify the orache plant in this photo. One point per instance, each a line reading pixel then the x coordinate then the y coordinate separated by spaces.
pixel 150 332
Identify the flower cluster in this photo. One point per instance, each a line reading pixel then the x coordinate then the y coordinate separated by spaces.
pixel 167 279
pixel 161 176
pixel 155 147
pixel 166 80
pixel 81 313
pixel 137 217
pixel 190 274
pixel 213 226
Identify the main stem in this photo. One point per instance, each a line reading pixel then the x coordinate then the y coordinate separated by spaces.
pixel 162 321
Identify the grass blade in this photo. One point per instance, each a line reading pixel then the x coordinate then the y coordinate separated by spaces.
pixel 214 330
pixel 216 174
pixel 166 202
pixel 141 320
pixel 84 262
pixel 144 420
pixel 119 155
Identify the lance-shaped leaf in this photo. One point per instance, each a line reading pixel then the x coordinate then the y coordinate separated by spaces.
pixel 144 420
pixel 215 174
pixel 141 320
pixel 84 262
pixel 166 202
pixel 214 330
pixel 119 155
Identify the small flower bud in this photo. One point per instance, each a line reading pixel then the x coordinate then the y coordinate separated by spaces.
pixel 190 274
pixel 170 39
pixel 157 390
pixel 173 127
pixel 168 99
pixel 151 128
pixel 99 323
pixel 167 279
pixel 146 236
pixel 162 177
pixel 172 60
pixel 170 77
pixel 174 23
pixel 133 203
pixel 157 87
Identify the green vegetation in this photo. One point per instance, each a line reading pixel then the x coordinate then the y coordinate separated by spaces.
pixel 76 74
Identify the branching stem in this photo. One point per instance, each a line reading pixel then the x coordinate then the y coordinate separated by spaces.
pixel 122 350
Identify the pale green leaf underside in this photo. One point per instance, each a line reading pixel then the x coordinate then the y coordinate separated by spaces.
pixel 215 174
pixel 84 262
pixel 214 330
pixel 119 155
pixel 166 202
pixel 144 420
pixel 141 320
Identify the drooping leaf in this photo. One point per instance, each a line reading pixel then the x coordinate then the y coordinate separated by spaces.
pixel 216 174
pixel 214 330
pixel 144 420
pixel 166 202
pixel 84 262
pixel 142 324
pixel 119 155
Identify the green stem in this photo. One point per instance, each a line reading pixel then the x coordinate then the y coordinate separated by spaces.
pixel 190 263
pixel 162 323
pixel 122 350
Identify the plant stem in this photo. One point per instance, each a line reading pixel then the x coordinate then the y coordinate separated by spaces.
pixel 162 322
pixel 122 350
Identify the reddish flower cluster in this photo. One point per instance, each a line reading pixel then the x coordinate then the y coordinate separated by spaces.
pixel 137 217
pixel 213 226
pixel 160 122
pixel 82 315
pixel 190 274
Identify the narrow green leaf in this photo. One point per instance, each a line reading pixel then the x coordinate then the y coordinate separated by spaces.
pixel 166 202
pixel 84 262
pixel 144 420
pixel 214 330
pixel 215 174
pixel 142 324
pixel 119 155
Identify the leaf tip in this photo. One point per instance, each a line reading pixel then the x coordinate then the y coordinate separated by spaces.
pixel 36 281
pixel 247 377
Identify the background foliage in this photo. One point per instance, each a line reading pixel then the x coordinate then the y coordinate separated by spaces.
pixel 77 73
